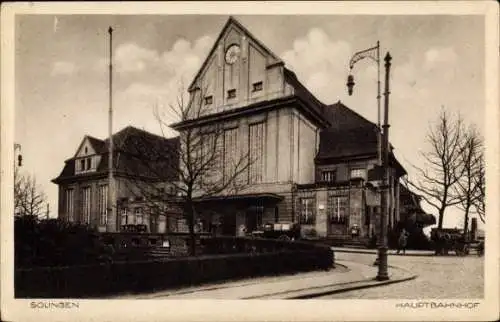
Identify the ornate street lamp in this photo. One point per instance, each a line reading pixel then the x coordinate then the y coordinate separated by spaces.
pixel 382 152
pixel 372 53
pixel 17 146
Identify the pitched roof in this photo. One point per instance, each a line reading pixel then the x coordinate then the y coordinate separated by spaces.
pixel 349 134
pixel 349 142
pixel 303 93
pixel 342 118
pixel 97 144
pixel 137 153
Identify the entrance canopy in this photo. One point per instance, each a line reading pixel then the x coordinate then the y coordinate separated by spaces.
pixel 247 199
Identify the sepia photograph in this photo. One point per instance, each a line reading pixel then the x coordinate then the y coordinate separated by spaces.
pixel 191 151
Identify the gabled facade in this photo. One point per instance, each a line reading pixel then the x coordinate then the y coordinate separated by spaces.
pixel 83 182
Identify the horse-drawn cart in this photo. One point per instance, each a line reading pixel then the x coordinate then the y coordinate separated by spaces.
pixel 449 239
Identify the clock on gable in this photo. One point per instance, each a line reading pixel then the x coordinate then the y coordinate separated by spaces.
pixel 232 54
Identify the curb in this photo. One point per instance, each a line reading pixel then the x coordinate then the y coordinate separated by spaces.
pixel 351 288
pixel 337 288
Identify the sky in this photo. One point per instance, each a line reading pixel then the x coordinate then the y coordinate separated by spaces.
pixel 61 74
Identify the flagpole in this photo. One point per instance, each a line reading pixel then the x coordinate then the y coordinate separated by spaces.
pixel 110 218
pixel 379 129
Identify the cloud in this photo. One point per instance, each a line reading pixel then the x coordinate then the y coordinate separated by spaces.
pixel 129 57
pixel 155 79
pixel 63 68
pixel 183 58
pixel 318 61
pixel 436 56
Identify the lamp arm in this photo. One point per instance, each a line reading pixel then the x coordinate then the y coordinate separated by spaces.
pixel 371 53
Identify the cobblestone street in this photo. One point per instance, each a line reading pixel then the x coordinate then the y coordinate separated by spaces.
pixel 438 277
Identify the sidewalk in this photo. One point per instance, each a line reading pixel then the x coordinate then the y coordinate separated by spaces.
pixel 346 277
pixel 391 252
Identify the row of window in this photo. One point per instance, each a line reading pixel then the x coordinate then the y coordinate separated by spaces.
pixel 337 210
pixel 231 156
pixel 86 204
pixel 137 217
pixel 256 87
pixel 331 175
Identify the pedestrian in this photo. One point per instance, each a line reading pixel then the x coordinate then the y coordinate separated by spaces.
pixel 242 230
pixel 402 241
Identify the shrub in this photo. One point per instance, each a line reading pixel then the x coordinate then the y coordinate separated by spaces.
pixel 54 242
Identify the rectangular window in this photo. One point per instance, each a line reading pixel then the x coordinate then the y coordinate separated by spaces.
pixel 124 217
pixel 358 174
pixel 256 152
pixel 257 86
pixel 182 226
pixel 138 216
pixel 209 100
pixel 230 154
pixel 231 93
pixel 328 176
pixel 307 214
pixel 89 163
pixel 70 210
pixel 338 209
pixel 102 203
pixel 82 165
pixel 86 203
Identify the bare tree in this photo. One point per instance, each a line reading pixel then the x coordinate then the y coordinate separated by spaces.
pixel 207 160
pixel 434 182
pixel 29 199
pixel 468 186
pixel 479 203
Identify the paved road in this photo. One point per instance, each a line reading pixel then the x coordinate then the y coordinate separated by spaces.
pixel 439 277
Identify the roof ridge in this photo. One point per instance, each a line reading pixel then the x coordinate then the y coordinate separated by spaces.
pixel 94 138
pixel 340 104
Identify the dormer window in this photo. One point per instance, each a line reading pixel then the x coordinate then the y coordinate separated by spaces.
pixel 85 165
pixel 209 100
pixel 257 86
pixel 231 93
pixel 86 150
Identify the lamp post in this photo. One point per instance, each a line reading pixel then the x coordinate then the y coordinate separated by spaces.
pixel 374 54
pixel 384 154
pixel 17 146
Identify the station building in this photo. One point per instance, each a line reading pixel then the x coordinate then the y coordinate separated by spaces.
pixel 311 160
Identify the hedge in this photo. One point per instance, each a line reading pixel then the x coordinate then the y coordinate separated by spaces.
pixel 90 281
